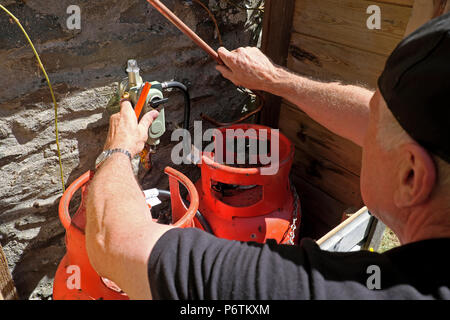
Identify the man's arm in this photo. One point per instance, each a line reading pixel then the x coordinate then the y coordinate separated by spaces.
pixel 343 109
pixel 120 233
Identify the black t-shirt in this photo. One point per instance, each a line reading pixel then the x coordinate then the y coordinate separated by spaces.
pixel 191 264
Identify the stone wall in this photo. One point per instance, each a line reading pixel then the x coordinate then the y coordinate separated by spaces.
pixel 84 66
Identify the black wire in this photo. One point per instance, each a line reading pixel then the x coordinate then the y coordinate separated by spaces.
pixel 164 193
pixel 187 115
pixel 201 218
pixel 205 224
pixel 187 100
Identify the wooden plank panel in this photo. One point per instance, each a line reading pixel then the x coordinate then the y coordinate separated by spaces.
pixel 345 22
pixel 334 180
pixel 311 137
pixel 329 61
pixel 406 3
pixel 320 212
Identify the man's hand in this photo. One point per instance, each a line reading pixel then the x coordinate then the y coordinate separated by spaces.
pixel 126 133
pixel 248 67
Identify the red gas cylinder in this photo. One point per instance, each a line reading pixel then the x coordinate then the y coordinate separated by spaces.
pixel 243 203
pixel 92 286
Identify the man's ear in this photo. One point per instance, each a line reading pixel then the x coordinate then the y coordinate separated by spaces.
pixel 416 176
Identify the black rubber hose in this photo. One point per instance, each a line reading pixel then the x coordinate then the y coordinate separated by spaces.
pixel 187 100
pixel 187 115
pixel 164 193
pixel 201 218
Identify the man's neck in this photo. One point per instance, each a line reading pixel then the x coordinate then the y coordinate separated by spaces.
pixel 424 223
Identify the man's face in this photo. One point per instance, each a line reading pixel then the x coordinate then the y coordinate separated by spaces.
pixel 378 165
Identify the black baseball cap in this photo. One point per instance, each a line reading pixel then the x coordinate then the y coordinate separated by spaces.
pixel 415 84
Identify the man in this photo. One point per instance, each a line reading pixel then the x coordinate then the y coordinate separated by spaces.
pixel 404 128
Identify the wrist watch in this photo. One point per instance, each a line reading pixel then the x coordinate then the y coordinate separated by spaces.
pixel 107 153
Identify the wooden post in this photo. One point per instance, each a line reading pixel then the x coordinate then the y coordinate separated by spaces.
pixel 7 288
pixel 277 26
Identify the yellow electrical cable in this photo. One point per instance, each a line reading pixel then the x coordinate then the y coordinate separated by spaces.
pixel 49 85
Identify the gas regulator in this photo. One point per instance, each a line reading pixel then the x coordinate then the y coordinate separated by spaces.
pixel 132 88
pixel 147 96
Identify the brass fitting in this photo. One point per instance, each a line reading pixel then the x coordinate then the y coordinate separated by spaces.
pixel 126 95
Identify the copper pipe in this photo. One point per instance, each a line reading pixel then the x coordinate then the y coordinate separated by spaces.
pixel 203 45
pixel 185 29
pixel 213 18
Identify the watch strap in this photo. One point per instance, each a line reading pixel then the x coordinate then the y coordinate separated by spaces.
pixel 107 153
pixel 126 152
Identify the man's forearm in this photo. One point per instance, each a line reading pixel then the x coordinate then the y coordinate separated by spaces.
pixel 114 202
pixel 343 109
pixel 119 226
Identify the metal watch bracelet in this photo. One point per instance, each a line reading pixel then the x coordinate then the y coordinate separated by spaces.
pixel 107 153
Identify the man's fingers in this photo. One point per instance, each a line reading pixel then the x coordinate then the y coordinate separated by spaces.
pixel 148 118
pixel 114 117
pixel 224 71
pixel 126 110
pixel 113 121
pixel 223 52
pixel 224 55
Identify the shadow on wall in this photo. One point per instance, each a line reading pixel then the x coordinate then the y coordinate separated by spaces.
pixel 40 258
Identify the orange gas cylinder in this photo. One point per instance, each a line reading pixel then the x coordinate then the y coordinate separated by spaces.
pixel 91 286
pixel 246 203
